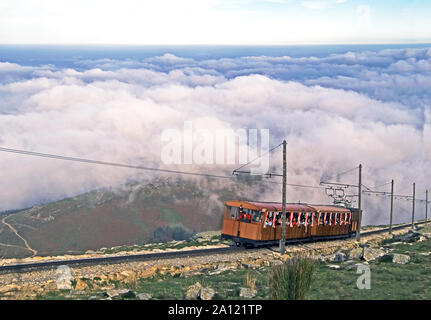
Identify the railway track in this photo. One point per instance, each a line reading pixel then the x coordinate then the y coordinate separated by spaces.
pixel 25 267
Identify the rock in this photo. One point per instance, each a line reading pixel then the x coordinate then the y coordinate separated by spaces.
pixel 400 258
pixel 333 266
pixel 147 273
pixel 81 285
pixel 422 238
pixel 247 293
pixel 370 254
pixel 276 263
pixel 206 294
pixel 193 291
pixel 8 288
pixel 197 291
pixel 356 253
pixel 339 257
pixel 395 243
pixel 90 252
pixel 144 296
pixel 123 293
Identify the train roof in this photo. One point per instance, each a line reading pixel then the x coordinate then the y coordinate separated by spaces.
pixel 290 207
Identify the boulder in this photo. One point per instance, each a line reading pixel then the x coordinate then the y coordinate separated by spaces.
pixel 356 253
pixel 197 291
pixel 193 292
pixel 370 254
pixel 400 258
pixel 206 294
pixel 247 293
pixel 339 257
pixel 144 296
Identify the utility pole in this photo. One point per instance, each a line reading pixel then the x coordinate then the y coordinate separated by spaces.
pixel 358 231
pixel 392 206
pixel 283 214
pixel 426 207
pixel 413 209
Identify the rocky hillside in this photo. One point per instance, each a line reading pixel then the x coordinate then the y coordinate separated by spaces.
pixel 136 213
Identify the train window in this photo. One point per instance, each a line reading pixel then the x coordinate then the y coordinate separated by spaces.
pixel 256 216
pixel 269 218
pixel 234 212
pixel 322 217
pixel 278 218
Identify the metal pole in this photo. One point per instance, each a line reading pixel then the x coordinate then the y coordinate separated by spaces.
pixel 283 214
pixel 392 206
pixel 358 231
pixel 413 209
pixel 426 206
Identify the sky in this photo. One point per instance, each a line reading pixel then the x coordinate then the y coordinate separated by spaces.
pixel 214 21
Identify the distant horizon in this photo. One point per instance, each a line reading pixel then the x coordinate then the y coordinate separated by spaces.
pixel 217 44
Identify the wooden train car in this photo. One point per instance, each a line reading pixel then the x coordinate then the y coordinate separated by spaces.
pixel 259 223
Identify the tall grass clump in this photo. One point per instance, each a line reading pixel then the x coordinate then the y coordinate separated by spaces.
pixel 292 279
pixel 250 281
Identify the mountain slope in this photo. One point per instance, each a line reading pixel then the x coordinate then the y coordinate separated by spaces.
pixel 131 214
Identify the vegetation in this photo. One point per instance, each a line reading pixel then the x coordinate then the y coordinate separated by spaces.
pixel 250 281
pixel 388 280
pixel 168 233
pixel 292 279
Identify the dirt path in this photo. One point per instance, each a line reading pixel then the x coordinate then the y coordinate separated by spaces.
pixel 27 246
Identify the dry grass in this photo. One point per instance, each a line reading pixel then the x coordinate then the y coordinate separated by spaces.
pixel 250 281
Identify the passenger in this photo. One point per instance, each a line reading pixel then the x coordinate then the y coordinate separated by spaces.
pixel 268 221
pixel 241 213
pixel 248 217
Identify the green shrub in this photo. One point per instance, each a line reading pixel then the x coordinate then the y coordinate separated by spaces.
pixel 291 280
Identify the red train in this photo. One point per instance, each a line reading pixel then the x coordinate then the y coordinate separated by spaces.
pixel 259 223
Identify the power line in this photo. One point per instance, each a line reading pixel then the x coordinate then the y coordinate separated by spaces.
pixel 338 174
pixel 295 185
pixel 112 164
pixel 269 151
pixel 396 196
pixel 379 186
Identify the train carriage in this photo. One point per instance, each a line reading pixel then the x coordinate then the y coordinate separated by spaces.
pixel 251 223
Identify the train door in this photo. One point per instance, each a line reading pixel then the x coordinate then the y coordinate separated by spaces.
pixel 231 221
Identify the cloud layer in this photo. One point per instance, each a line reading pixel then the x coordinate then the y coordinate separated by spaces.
pixel 336 111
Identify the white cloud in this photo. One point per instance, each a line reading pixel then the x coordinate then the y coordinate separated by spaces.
pixel 335 111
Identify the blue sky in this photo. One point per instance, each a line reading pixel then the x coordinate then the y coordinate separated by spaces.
pixel 214 21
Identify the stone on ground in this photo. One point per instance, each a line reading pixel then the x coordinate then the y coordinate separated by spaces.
pixel 247 293
pixel 370 254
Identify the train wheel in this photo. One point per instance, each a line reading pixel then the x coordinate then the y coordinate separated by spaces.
pixel 238 244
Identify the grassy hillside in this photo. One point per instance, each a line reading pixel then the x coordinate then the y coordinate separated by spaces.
pixel 136 213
